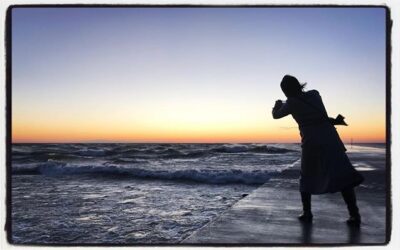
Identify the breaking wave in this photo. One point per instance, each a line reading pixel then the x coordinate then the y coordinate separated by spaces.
pixel 198 175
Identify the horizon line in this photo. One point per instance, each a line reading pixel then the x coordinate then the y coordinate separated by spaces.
pixel 164 142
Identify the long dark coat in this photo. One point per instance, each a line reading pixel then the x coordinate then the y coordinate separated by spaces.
pixel 325 167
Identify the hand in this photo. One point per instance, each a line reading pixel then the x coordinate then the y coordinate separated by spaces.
pixel 278 104
pixel 340 120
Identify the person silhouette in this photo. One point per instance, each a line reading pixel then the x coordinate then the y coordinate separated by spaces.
pixel 325 166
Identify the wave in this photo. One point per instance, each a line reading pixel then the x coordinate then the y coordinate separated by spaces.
pixel 73 152
pixel 251 149
pixel 197 175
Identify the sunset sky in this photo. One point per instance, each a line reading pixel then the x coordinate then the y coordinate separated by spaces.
pixel 191 74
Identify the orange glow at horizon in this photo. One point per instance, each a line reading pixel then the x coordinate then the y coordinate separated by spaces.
pixel 211 122
pixel 179 133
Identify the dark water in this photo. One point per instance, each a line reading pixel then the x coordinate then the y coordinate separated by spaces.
pixel 208 163
pixel 132 193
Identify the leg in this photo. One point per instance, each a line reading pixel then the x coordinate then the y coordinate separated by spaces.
pixel 306 200
pixel 349 197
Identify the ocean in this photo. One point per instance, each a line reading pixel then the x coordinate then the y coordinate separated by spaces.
pixel 136 193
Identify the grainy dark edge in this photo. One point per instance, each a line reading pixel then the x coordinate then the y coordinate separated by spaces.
pixel 8 43
pixel 193 6
pixel 8 123
pixel 389 24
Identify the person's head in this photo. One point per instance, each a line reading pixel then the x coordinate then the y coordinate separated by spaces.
pixel 291 86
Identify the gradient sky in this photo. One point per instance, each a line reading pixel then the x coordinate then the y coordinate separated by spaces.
pixel 191 74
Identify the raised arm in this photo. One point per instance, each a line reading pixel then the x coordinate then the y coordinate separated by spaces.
pixel 280 110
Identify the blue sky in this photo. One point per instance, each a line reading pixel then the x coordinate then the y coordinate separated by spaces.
pixel 196 69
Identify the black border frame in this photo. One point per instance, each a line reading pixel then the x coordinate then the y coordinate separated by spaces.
pixel 8 50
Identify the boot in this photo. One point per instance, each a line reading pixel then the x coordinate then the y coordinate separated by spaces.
pixel 354 221
pixel 306 216
pixel 349 197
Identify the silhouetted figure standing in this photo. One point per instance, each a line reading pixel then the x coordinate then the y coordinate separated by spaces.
pixel 325 167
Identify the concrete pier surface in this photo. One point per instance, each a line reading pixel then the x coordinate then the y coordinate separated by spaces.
pixel 268 216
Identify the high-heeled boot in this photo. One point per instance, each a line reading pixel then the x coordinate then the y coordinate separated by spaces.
pixel 306 216
pixel 349 197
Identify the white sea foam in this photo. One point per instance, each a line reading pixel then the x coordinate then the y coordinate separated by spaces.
pixel 199 175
